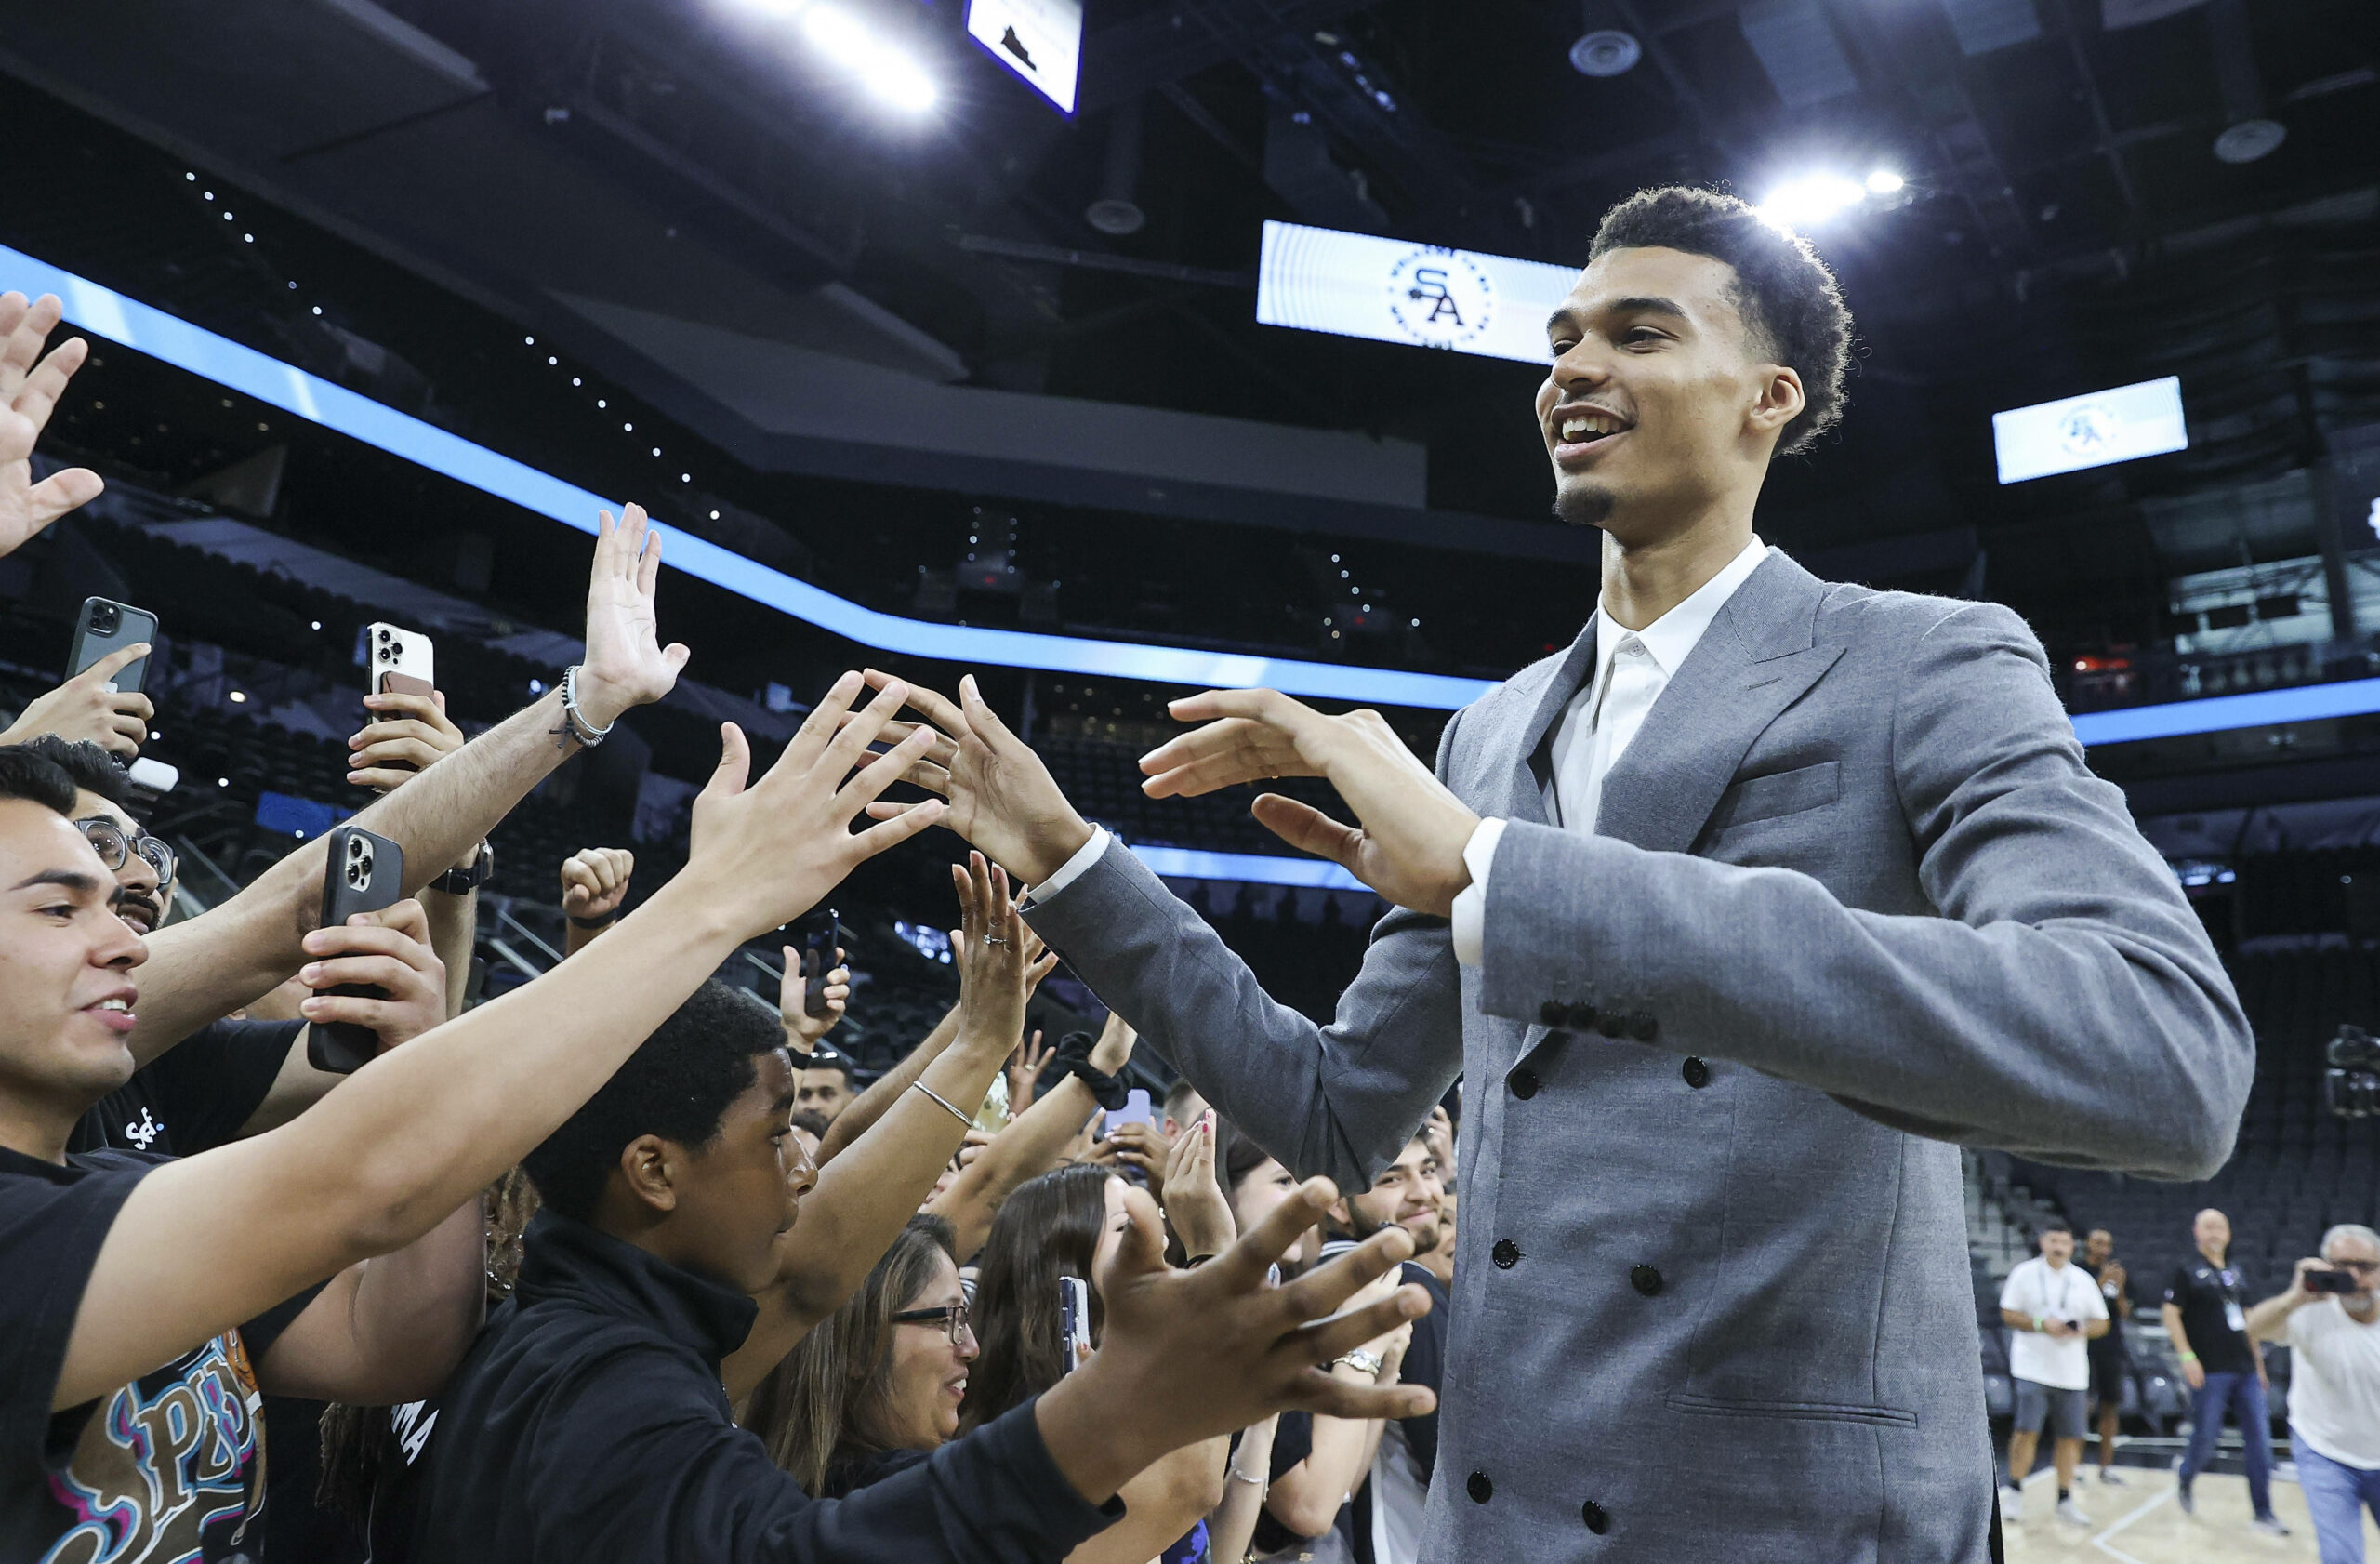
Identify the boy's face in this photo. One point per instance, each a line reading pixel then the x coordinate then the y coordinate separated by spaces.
pixel 738 1196
pixel 66 961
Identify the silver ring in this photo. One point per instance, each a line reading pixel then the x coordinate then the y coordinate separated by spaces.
pixel 994 939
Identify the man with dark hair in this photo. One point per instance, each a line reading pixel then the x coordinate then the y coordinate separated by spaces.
pixel 1733 914
pixel 825 1087
pixel 2055 1308
pixel 2110 1364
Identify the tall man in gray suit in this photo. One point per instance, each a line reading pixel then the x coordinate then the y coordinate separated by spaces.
pixel 1735 917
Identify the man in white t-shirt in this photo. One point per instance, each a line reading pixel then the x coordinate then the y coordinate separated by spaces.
pixel 2055 1308
pixel 2334 1337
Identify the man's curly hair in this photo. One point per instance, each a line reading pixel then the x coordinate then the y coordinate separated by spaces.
pixel 1792 309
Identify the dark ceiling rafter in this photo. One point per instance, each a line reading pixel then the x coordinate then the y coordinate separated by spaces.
pixel 1187 36
pixel 2063 24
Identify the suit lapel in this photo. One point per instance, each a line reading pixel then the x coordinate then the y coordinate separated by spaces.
pixel 1758 657
pixel 1533 757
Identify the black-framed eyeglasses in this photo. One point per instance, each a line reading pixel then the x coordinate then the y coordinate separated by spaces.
pixel 115 845
pixel 952 1317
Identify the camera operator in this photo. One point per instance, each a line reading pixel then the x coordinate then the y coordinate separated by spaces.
pixel 2330 1320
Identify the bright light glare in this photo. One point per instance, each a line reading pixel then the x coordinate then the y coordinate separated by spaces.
pixel 1883 181
pixel 886 72
pixel 1811 200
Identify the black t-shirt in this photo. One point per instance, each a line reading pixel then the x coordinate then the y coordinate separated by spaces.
pixel 193 1096
pixel 2112 1342
pixel 2214 1315
pixel 170 1466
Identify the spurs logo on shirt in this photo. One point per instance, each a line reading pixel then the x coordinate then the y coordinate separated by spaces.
pixel 170 1468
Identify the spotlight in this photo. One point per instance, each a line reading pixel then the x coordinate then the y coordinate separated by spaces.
pixel 1883 181
pixel 888 73
pixel 1811 200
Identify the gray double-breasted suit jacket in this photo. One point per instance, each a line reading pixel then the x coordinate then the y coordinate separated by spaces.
pixel 1852 896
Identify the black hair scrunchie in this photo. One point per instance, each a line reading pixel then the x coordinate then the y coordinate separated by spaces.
pixel 1074 1058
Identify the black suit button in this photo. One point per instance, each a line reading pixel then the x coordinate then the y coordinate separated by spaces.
pixel 1524 1084
pixel 1696 1073
pixel 1593 1514
pixel 1553 1011
pixel 1582 1018
pixel 1642 1028
pixel 1611 1023
pixel 1506 1254
pixel 1479 1488
pixel 1646 1279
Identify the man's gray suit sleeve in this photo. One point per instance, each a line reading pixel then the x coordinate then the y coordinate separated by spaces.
pixel 1340 1100
pixel 2065 1004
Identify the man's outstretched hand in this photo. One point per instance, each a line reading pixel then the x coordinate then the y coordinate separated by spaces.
pixel 30 386
pixel 1409 844
pixel 626 663
pixel 1000 797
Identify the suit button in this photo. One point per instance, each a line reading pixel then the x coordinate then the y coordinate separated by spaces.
pixel 1506 1254
pixel 1553 1011
pixel 1479 1488
pixel 1696 1073
pixel 1642 1028
pixel 1593 1514
pixel 1646 1279
pixel 1581 1017
pixel 1524 1084
pixel 1611 1023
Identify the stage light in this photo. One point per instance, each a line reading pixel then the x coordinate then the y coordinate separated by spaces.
pixel 1883 181
pixel 1811 200
pixel 885 71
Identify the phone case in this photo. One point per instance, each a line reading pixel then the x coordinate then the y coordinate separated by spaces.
pixel 817 960
pixel 103 626
pixel 364 873
pixel 1073 1319
pixel 401 659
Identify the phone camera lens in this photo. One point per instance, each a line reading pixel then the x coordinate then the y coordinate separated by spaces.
pixel 105 620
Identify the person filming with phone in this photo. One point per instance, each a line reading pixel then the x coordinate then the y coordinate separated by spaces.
pixel 2330 1320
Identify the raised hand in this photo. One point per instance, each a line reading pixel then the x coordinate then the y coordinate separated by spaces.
pixel 999 795
pixel 389 950
pixel 626 663
pixel 85 708
pixel 1410 845
pixel 769 851
pixel 801 1028
pixel 405 734
pixel 994 958
pixel 595 882
pixel 30 386
pixel 1217 1348
pixel 1114 1049
pixel 1025 1065
pixel 1194 1201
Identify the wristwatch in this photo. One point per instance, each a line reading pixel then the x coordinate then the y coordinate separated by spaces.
pixel 1362 1362
pixel 463 881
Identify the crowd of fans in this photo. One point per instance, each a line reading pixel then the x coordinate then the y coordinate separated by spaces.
pixel 623 1262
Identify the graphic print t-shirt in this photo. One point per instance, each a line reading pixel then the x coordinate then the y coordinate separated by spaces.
pixel 170 1467
pixel 193 1096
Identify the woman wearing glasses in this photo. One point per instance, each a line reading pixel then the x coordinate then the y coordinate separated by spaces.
pixel 875 1386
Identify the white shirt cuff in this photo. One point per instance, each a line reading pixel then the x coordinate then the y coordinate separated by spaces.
pixel 1075 868
pixel 1470 902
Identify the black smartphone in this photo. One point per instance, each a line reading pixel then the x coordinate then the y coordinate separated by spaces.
pixel 1073 1319
pixel 815 937
pixel 365 873
pixel 104 625
pixel 2330 1281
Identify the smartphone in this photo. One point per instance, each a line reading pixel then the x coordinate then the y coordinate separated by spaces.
pixel 1136 1110
pixel 1073 1319
pixel 400 661
pixel 815 937
pixel 364 873
pixel 2330 1281
pixel 106 625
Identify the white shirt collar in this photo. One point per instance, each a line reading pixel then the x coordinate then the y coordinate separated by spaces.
pixel 1673 637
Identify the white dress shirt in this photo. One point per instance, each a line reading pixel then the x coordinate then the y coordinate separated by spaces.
pixel 1633 667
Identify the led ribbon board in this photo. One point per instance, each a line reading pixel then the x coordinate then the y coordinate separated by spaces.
pixel 1418 295
pixel 2092 429
pixel 173 340
pixel 1040 40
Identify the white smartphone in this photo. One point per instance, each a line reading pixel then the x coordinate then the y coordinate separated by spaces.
pixel 1073 1319
pixel 400 661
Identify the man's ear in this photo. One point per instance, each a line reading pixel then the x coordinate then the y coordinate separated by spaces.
pixel 1780 400
pixel 1341 1213
pixel 649 1167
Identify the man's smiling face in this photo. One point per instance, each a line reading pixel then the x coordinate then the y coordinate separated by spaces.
pixel 66 964
pixel 140 897
pixel 1655 403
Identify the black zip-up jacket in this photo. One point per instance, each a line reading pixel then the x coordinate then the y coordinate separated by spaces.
pixel 588 1426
